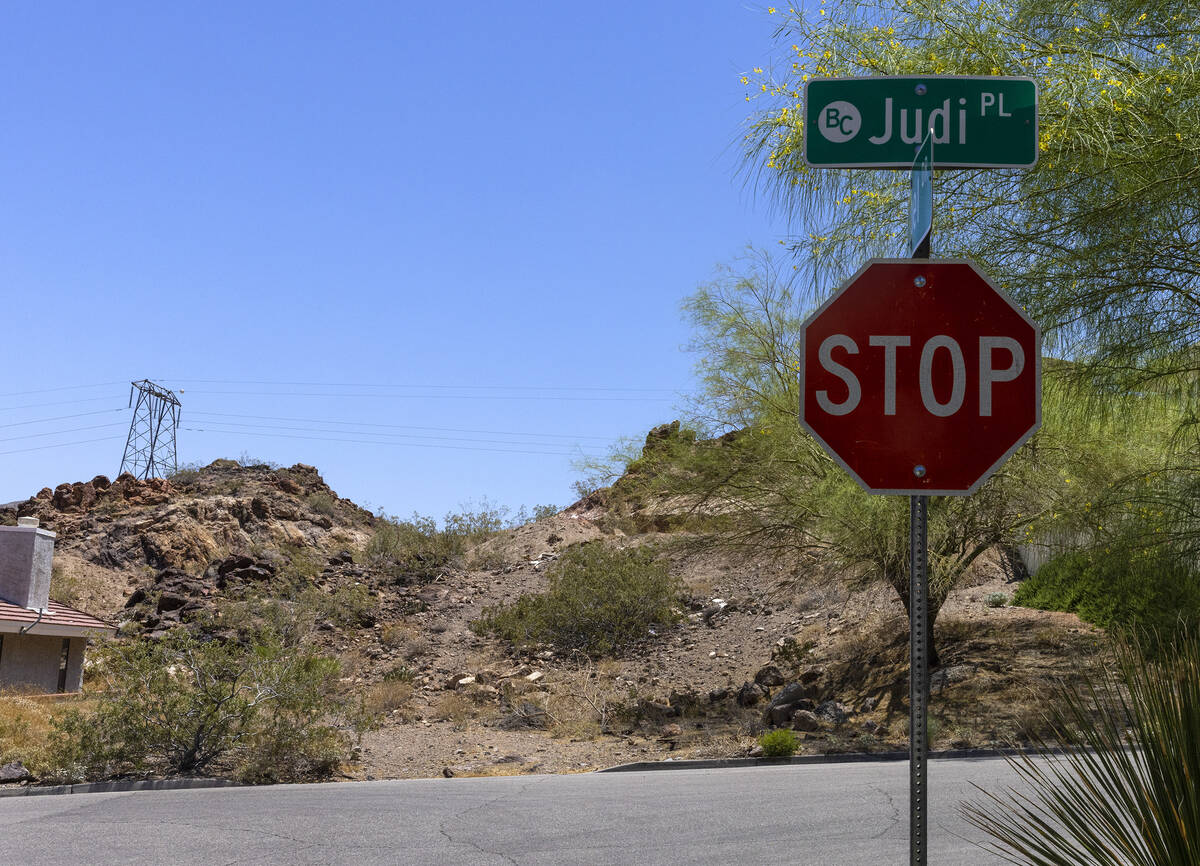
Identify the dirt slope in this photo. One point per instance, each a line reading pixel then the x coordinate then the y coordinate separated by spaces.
pixel 150 555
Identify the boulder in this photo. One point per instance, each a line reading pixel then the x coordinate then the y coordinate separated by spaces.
pixel 792 693
pixel 805 720
pixel 13 771
pixel 833 712
pixel 169 601
pixel 769 676
pixel 748 695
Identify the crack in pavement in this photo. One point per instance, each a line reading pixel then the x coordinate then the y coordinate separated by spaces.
pixel 891 801
pixel 458 816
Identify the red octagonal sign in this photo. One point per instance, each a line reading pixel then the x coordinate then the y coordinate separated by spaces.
pixel 920 377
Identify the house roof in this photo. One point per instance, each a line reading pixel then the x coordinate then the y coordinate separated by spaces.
pixel 58 619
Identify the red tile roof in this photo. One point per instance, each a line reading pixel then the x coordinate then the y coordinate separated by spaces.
pixel 58 619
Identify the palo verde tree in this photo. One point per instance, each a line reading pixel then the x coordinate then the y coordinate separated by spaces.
pixel 760 484
pixel 1100 241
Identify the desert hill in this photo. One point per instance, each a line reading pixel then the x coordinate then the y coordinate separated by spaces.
pixel 156 555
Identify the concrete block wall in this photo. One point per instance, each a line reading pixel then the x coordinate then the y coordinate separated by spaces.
pixel 26 560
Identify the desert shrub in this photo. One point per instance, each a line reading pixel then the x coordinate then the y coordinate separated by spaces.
pixel 186 706
pixel 1127 792
pixel 388 695
pixel 456 708
pixel 248 461
pixel 185 475
pixel 346 607
pixel 599 601
pixel 419 550
pixel 322 502
pixel 303 564
pixel 779 743
pixel 411 549
pixel 394 634
pixel 996 599
pixel 399 674
pixel 538 512
pixel 25 723
pixel 1122 585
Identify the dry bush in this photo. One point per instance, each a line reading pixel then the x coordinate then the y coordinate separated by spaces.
pixel 26 722
pixel 583 700
pixel 456 708
pixel 394 634
pixel 388 695
pixel 415 647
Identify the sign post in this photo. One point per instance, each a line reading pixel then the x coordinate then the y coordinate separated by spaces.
pixel 920 377
pixel 920 203
pixel 920 235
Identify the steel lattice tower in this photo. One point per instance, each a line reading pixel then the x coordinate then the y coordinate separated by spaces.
pixel 150 447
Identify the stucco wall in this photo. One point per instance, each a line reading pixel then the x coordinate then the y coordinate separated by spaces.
pixel 32 660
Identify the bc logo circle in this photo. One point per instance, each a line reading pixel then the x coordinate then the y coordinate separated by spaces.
pixel 839 121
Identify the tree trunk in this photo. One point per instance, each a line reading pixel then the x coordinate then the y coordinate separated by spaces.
pixel 932 608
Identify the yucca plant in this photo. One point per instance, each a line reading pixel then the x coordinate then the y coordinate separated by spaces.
pixel 1127 791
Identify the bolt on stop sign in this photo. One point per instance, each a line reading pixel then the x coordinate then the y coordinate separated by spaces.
pixel 920 377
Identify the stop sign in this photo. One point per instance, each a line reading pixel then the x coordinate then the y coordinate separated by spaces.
pixel 920 377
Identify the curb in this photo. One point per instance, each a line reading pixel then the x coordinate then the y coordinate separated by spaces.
pixel 119 787
pixel 847 758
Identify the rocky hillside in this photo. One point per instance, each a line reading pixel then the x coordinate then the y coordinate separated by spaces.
pixel 115 536
pixel 756 645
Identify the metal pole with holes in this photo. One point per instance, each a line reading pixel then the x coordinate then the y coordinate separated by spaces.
pixel 920 233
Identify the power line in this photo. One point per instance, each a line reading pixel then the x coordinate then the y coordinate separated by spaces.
pixel 56 403
pixel 378 442
pixel 60 432
pixel 63 417
pixel 435 386
pixel 392 435
pixel 60 388
pixel 435 396
pixel 63 444
pixel 403 426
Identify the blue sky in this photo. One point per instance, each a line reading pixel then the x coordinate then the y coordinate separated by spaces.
pixel 469 225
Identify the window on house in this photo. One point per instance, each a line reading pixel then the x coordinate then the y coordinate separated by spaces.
pixel 63 657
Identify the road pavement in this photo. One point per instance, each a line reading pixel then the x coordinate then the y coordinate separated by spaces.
pixel 828 814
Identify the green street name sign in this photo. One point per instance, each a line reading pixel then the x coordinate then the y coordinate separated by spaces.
pixel 879 122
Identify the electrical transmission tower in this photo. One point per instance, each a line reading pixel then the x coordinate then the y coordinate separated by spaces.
pixel 150 447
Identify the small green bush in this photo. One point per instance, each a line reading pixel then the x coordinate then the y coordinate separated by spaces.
pixel 322 503
pixel 417 550
pixel 1124 585
pixel 996 599
pixel 600 600
pixel 346 607
pixel 779 743
pixel 400 673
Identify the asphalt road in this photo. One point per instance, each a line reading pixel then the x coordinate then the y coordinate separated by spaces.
pixel 828 814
